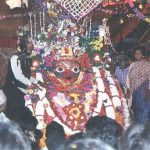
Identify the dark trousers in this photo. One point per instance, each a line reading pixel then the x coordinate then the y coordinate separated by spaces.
pixel 15 98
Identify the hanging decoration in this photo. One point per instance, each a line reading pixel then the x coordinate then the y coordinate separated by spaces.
pixel 43 20
pixel 35 27
pixel 31 26
pixel 3 17
pixel 40 17
pixel 79 38
pixel 137 12
pixel 47 7
pixel 78 8
pixel 106 36
pixel 111 2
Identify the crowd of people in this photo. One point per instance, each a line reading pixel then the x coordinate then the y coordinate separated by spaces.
pixel 18 127
pixel 134 77
pixel 101 133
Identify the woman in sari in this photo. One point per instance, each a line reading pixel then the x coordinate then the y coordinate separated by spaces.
pixel 138 82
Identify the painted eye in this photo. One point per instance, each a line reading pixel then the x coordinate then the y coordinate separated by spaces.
pixel 59 69
pixel 75 70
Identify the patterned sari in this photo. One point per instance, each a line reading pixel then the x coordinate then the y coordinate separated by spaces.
pixel 139 81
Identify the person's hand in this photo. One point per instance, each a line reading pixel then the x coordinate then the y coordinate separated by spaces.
pixel 42 84
pixel 31 88
pixel 34 86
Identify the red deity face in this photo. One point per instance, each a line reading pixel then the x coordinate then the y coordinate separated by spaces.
pixel 67 70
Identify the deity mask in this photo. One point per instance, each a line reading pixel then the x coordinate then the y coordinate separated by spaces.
pixel 66 70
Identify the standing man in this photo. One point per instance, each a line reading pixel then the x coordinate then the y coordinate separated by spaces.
pixel 18 77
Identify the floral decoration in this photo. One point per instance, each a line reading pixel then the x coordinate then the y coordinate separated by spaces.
pixel 98 58
pixel 48 59
pixel 85 61
pixel 97 44
pixel 75 113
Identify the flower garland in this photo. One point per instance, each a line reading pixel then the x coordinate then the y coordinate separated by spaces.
pixel 48 59
pixel 85 61
pixel 111 96
pixel 107 97
pixel 82 86
pixel 97 44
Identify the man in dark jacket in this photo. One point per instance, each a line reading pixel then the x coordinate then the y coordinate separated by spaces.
pixel 18 77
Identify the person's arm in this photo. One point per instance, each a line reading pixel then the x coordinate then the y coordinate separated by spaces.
pixel 34 80
pixel 37 79
pixel 16 69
